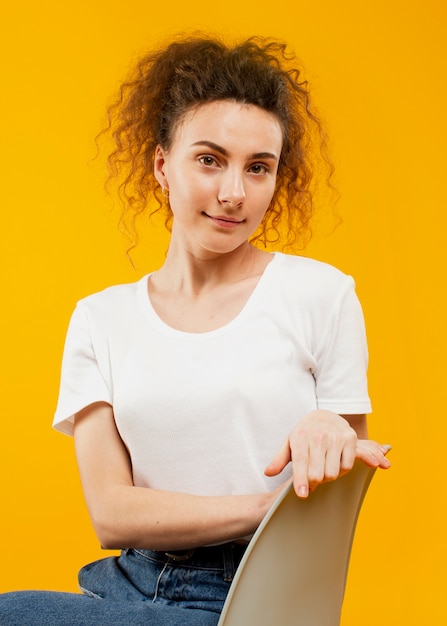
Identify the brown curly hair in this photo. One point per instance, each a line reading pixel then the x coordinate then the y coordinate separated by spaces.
pixel 168 82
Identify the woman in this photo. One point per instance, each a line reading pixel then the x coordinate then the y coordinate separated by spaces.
pixel 194 394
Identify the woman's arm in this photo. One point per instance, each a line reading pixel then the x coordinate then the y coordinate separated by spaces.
pixel 324 446
pixel 125 516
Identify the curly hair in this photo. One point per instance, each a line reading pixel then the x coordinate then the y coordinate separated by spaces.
pixel 191 70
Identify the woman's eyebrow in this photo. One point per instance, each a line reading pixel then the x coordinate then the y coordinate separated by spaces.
pixel 224 152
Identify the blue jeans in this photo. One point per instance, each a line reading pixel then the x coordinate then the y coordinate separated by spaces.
pixel 138 587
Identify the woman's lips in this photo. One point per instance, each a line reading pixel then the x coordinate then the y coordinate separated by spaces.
pixel 225 221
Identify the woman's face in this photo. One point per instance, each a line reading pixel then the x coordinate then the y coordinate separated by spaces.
pixel 220 172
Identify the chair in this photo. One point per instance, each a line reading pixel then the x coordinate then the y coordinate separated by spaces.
pixel 295 568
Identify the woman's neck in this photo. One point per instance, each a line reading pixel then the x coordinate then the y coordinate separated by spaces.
pixel 192 274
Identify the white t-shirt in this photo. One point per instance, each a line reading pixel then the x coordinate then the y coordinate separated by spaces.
pixel 204 413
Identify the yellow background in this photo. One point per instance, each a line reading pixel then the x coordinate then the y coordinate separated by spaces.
pixel 378 70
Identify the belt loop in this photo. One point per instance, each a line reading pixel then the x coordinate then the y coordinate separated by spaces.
pixel 228 561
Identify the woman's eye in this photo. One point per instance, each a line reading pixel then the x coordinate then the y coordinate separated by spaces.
pixel 259 168
pixel 207 160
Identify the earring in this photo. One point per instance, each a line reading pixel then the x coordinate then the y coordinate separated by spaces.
pixel 165 192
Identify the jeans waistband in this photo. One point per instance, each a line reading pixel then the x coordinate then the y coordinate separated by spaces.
pixel 226 557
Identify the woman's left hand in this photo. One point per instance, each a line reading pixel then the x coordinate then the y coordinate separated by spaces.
pixel 322 447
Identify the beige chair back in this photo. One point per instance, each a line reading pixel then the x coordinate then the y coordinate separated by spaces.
pixel 294 570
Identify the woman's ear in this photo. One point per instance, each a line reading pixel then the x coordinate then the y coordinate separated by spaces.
pixel 159 167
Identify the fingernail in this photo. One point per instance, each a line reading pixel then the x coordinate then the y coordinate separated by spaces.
pixel 303 491
pixel 386 447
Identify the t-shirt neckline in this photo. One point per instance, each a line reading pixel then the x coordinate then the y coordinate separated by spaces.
pixel 152 316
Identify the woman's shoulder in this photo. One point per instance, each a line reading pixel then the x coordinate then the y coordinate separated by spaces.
pixel 311 287
pixel 311 272
pixel 114 297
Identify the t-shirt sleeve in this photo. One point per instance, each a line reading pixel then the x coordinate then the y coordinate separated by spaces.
pixel 342 357
pixel 82 381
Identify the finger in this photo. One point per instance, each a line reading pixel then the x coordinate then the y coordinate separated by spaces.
pixel 300 479
pixel 331 457
pixel 318 451
pixel 372 454
pixel 333 468
pixel 348 454
pixel 279 461
pixel 300 468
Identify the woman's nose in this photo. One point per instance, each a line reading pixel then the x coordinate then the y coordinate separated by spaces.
pixel 232 190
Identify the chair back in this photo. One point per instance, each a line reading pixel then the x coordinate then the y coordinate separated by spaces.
pixel 295 568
